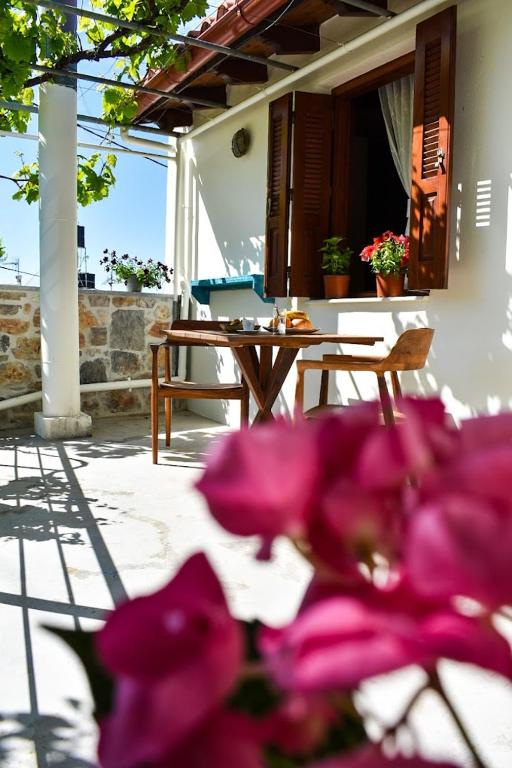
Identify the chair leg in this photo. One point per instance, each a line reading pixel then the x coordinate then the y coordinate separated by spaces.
pixel 397 390
pixel 168 414
pixel 154 423
pixel 387 407
pixel 324 388
pixel 299 392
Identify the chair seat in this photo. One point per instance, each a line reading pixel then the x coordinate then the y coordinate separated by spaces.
pixel 321 411
pixel 181 385
pixel 369 359
pixel 192 390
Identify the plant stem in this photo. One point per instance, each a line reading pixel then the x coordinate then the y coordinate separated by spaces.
pixel 436 685
pixel 407 711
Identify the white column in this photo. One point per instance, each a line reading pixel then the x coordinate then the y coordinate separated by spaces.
pixel 61 416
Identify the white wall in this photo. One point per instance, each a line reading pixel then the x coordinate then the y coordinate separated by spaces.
pixel 470 364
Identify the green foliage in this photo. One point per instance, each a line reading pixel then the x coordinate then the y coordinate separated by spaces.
pixel 3 251
pixel 150 273
pixel 101 685
pixel 29 35
pixel 336 259
pixel 93 183
pixel 119 106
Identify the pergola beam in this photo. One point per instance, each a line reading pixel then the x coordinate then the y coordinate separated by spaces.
pixel 172 37
pixel 19 107
pixel 363 5
pixel 71 73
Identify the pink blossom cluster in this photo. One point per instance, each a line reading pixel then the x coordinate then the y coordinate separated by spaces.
pixel 409 530
pixel 371 252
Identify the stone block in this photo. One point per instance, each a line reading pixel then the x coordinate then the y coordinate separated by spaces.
pixel 124 363
pixel 27 348
pixel 86 318
pixel 120 400
pixel 27 308
pixel 81 341
pixel 97 300
pixel 98 336
pixel 14 373
pixel 36 320
pixel 162 311
pixel 13 326
pixel 93 371
pixel 127 329
pixel 157 330
pixel 9 309
pixel 123 301
pixel 13 295
pixel 5 342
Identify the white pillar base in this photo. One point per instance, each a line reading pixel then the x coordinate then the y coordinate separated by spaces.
pixel 61 427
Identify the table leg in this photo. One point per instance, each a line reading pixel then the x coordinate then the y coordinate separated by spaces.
pixel 284 361
pixel 247 359
pixel 265 365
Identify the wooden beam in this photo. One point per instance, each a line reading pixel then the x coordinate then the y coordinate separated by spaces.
pixel 215 95
pixel 362 8
pixel 296 40
pixel 241 71
pixel 174 118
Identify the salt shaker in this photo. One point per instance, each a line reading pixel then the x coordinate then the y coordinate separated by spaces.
pixel 281 325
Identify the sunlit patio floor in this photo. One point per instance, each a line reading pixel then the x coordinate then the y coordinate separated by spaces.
pixel 87 523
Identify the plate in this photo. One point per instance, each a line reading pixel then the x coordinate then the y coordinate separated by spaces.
pixel 258 331
pixel 294 331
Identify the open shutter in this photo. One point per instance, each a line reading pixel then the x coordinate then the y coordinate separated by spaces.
pixel 431 150
pixel 312 148
pixel 278 196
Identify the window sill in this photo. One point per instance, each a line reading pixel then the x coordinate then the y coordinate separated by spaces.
pixel 372 300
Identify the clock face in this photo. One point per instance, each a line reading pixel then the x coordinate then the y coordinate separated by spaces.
pixel 240 142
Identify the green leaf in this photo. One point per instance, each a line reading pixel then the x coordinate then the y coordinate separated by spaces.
pixel 82 643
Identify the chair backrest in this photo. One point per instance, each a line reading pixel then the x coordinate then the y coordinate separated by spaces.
pixel 197 325
pixel 410 351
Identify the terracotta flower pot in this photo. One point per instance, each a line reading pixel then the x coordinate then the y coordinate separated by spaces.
pixel 390 285
pixel 336 286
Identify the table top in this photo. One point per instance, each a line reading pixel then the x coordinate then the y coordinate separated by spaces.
pixel 265 339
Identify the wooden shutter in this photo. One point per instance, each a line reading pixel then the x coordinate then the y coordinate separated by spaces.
pixel 312 149
pixel 278 196
pixel 432 149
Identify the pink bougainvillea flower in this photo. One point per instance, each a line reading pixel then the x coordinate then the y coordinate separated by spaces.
pixel 460 534
pixel 226 740
pixel 371 756
pixel 175 655
pixel 299 724
pixel 263 481
pixel 460 545
pixel 338 642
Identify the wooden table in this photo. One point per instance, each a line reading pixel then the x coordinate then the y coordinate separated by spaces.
pixel 263 375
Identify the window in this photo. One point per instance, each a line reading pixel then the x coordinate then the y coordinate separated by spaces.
pixel 316 153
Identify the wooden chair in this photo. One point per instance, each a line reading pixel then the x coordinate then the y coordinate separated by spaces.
pixel 169 390
pixel 409 354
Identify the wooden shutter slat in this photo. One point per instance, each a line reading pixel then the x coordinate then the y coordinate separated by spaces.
pixel 432 133
pixel 312 150
pixel 278 195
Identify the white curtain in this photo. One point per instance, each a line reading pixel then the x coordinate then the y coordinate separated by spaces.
pixel 396 100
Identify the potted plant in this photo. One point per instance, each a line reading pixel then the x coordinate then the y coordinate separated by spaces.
pixel 135 273
pixel 389 257
pixel 336 265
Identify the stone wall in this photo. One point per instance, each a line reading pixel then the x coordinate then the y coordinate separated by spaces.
pixel 116 329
